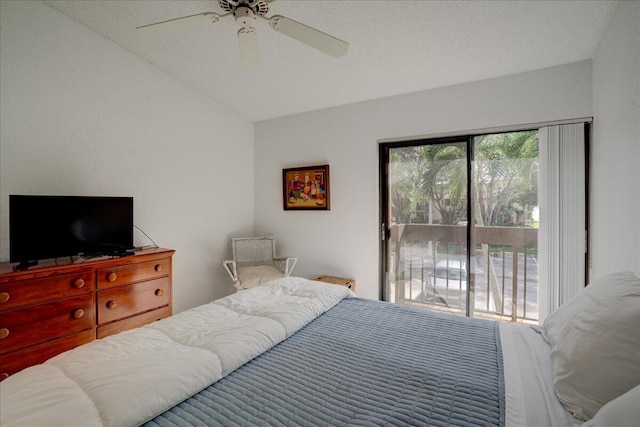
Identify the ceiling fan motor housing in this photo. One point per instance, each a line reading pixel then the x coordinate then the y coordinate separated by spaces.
pixel 259 7
pixel 244 17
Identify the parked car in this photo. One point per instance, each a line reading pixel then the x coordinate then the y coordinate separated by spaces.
pixel 448 282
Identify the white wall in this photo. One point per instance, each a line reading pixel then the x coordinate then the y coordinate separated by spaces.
pixel 81 116
pixel 344 241
pixel 616 147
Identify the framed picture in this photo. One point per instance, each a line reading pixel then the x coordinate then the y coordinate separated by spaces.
pixel 306 188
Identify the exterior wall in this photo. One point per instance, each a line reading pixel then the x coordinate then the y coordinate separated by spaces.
pixel 81 116
pixel 615 173
pixel 345 241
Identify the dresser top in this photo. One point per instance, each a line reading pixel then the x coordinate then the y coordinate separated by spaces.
pixel 48 267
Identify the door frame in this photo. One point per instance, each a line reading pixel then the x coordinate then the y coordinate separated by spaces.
pixel 384 231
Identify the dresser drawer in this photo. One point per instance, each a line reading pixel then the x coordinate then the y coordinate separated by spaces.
pixel 35 324
pixel 35 291
pixel 133 322
pixel 122 274
pixel 17 361
pixel 128 300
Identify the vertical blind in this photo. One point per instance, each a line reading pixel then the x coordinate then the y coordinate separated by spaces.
pixel 562 201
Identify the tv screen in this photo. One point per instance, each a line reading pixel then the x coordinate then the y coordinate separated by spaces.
pixel 42 227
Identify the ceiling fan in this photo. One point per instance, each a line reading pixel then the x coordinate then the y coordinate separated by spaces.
pixel 245 13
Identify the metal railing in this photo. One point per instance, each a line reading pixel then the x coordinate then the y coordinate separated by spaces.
pixel 428 267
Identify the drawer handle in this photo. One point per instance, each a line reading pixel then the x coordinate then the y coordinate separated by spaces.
pixel 111 277
pixel 111 305
pixel 4 332
pixel 159 292
pixel 159 267
pixel 78 283
pixel 4 297
pixel 78 313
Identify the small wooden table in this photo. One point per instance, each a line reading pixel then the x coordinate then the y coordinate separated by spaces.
pixel 348 283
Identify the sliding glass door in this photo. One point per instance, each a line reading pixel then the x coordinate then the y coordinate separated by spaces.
pixel 505 225
pixel 459 224
pixel 427 211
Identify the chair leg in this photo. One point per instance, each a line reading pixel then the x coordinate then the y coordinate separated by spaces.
pixel 230 266
pixel 290 263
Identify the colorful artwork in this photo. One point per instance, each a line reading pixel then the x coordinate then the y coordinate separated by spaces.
pixel 306 188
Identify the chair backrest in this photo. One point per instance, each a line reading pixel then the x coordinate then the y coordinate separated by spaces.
pixel 252 251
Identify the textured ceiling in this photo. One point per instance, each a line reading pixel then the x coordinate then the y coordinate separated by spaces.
pixel 396 47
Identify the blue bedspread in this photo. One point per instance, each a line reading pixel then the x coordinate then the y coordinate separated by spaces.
pixel 363 363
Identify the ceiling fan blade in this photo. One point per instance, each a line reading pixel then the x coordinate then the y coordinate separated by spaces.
pixel 248 43
pixel 179 24
pixel 309 36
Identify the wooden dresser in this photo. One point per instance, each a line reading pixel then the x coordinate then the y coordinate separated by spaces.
pixel 50 308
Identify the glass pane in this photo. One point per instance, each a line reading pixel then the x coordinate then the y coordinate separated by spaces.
pixel 506 218
pixel 427 250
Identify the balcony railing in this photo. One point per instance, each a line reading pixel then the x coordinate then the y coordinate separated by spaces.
pixel 428 267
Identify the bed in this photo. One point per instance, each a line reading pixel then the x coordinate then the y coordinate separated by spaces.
pixel 300 352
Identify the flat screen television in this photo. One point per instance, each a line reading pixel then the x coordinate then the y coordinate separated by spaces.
pixel 42 227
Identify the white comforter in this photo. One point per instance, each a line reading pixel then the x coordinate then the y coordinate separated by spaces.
pixel 129 378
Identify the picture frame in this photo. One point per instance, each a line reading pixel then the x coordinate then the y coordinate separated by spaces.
pixel 306 188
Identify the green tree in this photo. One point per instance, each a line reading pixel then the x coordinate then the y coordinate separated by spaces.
pixel 505 173
pixel 406 171
pixel 445 178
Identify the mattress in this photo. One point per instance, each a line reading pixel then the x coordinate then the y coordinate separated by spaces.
pixel 363 363
pixel 295 352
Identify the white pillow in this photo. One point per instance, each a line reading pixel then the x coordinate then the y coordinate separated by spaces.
pixel 250 277
pixel 595 344
pixel 621 412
